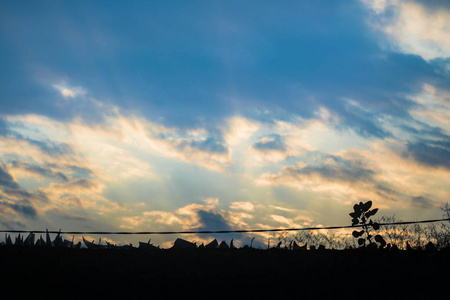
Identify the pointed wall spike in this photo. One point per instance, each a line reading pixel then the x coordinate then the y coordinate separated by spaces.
pixel 212 245
pixel 40 241
pixel 58 241
pixel 48 241
pixel 19 240
pixel 223 245
pixel 29 241
pixel 8 239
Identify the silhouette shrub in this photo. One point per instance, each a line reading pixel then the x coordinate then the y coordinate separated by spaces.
pixel 361 215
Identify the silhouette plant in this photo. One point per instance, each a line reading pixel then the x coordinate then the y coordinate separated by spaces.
pixel 361 216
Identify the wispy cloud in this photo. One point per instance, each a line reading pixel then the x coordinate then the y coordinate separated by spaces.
pixel 414 27
pixel 270 149
pixel 328 171
pixel 238 130
pixel 69 92
pixel 17 202
pixel 23 208
pixel 87 193
pixel 22 168
pixel 431 153
pixel 240 205
pixel 432 107
pixel 10 189
pixel 421 202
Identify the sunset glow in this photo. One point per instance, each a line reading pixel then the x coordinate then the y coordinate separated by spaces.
pixel 166 116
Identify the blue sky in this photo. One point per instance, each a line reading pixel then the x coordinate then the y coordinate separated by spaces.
pixel 157 115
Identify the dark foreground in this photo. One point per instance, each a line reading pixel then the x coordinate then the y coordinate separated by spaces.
pixel 224 273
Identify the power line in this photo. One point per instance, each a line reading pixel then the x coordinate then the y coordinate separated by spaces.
pixel 215 231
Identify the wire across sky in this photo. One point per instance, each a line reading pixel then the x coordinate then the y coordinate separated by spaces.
pixel 216 231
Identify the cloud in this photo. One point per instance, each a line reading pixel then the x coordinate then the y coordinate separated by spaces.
pixel 414 27
pixel 273 142
pixel 282 208
pixel 238 130
pixel 431 153
pixel 363 121
pixel 80 159
pixel 3 127
pixel 69 183
pixel 23 208
pixel 52 176
pixel 210 214
pixel 216 221
pixel 187 216
pixel 53 149
pixel 425 136
pixel 241 205
pixel 6 180
pixel 206 145
pixel 284 139
pixel 16 202
pixel 80 193
pixel 239 219
pixel 285 221
pixel 121 135
pixel 195 216
pixel 210 220
pixel 421 202
pixel 270 148
pixel 343 177
pixel 69 92
pixel 330 168
pixel 80 172
pixel 432 106
pixel 11 190
pixel 77 146
pixel 11 224
pixel 82 183
pixel 163 217
pixel 27 169
pixel 282 78
pixel 69 215
pixel 434 4
pixel 42 153
pixel 207 152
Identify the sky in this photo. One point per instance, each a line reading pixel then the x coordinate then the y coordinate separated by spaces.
pixel 221 115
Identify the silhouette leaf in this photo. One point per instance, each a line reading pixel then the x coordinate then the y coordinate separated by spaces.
pixel 355 221
pixel 366 206
pixel 357 233
pixel 376 226
pixel 358 211
pixel 372 212
pixel 361 241
pixel 380 240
